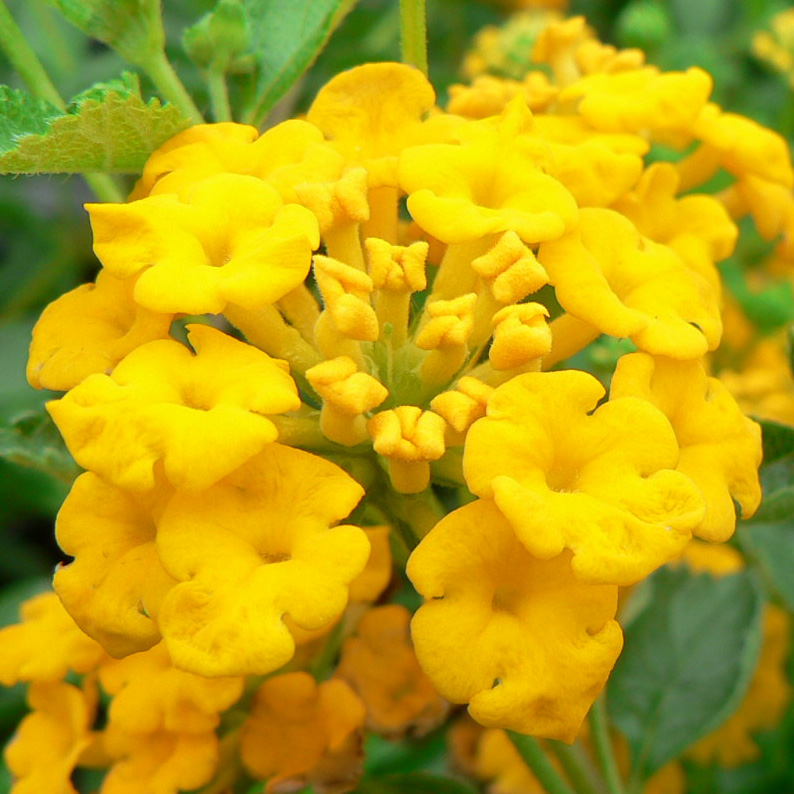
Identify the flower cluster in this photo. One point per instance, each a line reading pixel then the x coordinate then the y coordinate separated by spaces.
pixel 334 320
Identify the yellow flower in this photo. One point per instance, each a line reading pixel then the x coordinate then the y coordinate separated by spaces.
pixel 255 548
pixel 764 386
pixel 114 586
pixel 46 644
pixel 380 665
pixel 301 733
pixel 371 113
pixel 159 762
pixel 606 274
pixel 720 447
pixel 48 743
pixel 232 241
pixel 664 103
pixel 90 329
pixel 521 640
pixel 150 694
pixel 599 483
pixel 491 182
pixel 696 227
pixel 197 152
pixel 374 579
pixel 200 415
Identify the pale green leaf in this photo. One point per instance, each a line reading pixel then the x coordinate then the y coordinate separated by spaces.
pixel 286 38
pixel 109 128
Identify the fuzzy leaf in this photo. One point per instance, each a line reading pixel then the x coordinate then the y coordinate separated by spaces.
pixel 286 38
pixel 108 128
pixel 22 114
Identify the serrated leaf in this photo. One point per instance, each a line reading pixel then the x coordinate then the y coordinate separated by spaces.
pixel 687 662
pixel 772 545
pixel 413 783
pixel 33 440
pixel 22 114
pixel 109 128
pixel 285 39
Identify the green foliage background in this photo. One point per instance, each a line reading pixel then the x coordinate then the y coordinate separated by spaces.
pixel 45 250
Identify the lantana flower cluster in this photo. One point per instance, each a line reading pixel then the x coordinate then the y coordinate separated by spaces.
pixel 351 341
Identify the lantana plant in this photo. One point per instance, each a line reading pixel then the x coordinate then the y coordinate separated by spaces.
pixel 399 421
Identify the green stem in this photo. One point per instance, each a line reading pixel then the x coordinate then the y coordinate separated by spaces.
pixel 35 77
pixel 25 61
pixel 219 94
pixel 105 188
pixel 599 726
pixel 539 763
pixel 413 33
pixel 578 768
pixel 159 68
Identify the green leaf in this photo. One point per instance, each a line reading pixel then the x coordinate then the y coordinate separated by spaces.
pixel 133 27
pixel 772 545
pixel 686 664
pixel 109 128
pixel 33 440
pixel 23 114
pixel 286 38
pixel 412 783
pixel 778 440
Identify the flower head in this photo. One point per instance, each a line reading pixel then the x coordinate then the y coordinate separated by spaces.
pixel 598 482
pixel 521 640
pixel 198 415
pixel 256 547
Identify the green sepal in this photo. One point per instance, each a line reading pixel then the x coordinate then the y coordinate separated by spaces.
pixel 219 38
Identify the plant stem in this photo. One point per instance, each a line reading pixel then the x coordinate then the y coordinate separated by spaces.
pixel 539 763
pixel 25 61
pixel 599 725
pixel 159 68
pixel 413 33
pixel 219 94
pixel 35 77
pixel 578 768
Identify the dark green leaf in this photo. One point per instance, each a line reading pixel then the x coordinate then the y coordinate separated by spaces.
pixel 109 128
pixel 687 661
pixel 772 545
pixel 413 783
pixel 286 38
pixel 778 440
pixel 33 440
